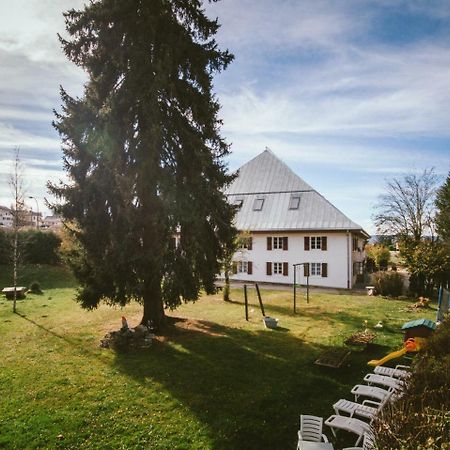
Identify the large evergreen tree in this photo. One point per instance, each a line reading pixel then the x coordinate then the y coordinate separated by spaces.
pixel 144 155
pixel 443 213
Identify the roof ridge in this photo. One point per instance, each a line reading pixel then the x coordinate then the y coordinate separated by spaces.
pixel 291 191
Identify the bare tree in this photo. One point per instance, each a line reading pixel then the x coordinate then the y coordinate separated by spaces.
pixel 16 184
pixel 240 243
pixel 407 207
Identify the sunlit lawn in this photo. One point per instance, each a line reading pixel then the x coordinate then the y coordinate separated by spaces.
pixel 218 382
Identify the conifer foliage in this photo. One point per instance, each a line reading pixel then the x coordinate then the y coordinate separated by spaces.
pixel 144 155
pixel 443 213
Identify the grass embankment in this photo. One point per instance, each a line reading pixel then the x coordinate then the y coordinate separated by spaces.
pixel 218 382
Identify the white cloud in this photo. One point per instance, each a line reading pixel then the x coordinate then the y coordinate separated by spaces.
pixel 331 153
pixel 264 25
pixel 30 27
pixel 11 137
pixel 366 93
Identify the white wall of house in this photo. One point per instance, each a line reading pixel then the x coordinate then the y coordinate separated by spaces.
pixel 339 257
pixel 6 217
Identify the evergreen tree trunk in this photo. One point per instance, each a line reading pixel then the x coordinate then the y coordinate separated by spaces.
pixel 226 287
pixel 153 314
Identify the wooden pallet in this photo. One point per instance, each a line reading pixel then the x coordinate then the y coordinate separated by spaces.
pixel 333 358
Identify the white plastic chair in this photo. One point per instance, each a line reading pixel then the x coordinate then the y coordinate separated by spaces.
pixel 310 430
pixel 349 424
pixel 363 390
pixel 400 371
pixel 367 409
pixel 382 380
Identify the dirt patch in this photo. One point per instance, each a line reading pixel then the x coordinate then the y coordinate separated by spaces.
pixel 182 326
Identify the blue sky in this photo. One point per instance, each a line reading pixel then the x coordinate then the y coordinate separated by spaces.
pixel 346 93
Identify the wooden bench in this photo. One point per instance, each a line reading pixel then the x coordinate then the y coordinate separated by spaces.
pixel 20 292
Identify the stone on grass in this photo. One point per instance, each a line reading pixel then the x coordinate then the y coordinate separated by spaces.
pixel 128 338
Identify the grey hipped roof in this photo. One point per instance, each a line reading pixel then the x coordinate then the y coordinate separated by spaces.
pixel 266 177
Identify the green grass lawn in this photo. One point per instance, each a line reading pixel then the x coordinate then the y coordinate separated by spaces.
pixel 218 382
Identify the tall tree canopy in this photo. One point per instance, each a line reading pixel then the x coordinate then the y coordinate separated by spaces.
pixel 144 155
pixel 407 209
pixel 443 213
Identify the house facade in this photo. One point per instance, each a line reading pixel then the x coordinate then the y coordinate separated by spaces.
pixel 26 218
pixel 53 222
pixel 285 222
pixel 6 217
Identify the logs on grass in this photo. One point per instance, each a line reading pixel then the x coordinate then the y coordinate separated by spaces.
pixel 422 302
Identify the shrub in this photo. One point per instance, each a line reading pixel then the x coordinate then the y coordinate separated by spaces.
pixel 378 255
pixel 35 287
pixel 40 247
pixel 420 419
pixel 35 247
pixel 388 283
pixel 5 247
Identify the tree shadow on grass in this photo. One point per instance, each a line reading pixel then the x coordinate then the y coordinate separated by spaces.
pixel 310 312
pixel 248 388
pixel 77 344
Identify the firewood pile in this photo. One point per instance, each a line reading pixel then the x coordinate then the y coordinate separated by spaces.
pixel 422 302
pixel 361 338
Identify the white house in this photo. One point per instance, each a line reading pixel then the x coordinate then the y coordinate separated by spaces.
pixel 54 221
pixel 286 222
pixel 6 217
pixel 26 218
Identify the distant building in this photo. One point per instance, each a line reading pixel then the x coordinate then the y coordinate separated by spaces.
pixel 30 218
pixel 52 221
pixel 27 218
pixel 6 217
pixel 285 222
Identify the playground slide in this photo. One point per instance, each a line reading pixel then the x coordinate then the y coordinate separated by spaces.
pixel 388 357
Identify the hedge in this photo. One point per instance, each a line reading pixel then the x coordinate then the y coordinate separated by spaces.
pixel 35 247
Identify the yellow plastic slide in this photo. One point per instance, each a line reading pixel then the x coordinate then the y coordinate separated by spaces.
pixel 388 357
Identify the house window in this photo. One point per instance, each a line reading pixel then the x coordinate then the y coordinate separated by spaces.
pixel 315 269
pixel 238 202
pixel 246 243
pixel 358 268
pixel 294 201
pixel 316 243
pixel 258 204
pixel 277 268
pixel 242 266
pixel 277 242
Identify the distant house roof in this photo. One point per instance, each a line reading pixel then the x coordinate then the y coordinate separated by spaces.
pixel 272 197
pixel 419 322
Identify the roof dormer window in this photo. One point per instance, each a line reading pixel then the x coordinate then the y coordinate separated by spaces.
pixel 258 204
pixel 294 201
